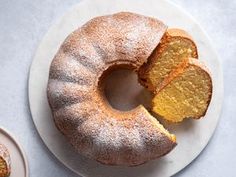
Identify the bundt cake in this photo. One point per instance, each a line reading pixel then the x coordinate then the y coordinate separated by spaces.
pixel 185 93
pixel 175 46
pixel 75 90
pixel 5 166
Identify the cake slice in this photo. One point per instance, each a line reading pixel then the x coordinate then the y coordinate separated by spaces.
pixel 185 93
pixel 5 168
pixel 175 46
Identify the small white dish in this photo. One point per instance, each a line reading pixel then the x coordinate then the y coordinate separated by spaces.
pixel 19 164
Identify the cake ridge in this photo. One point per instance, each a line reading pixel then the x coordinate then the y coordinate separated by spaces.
pixel 59 92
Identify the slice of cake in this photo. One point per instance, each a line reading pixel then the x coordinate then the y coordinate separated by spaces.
pixel 5 168
pixel 175 46
pixel 185 93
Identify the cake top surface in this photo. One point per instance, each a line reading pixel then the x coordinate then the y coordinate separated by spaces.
pixel 75 95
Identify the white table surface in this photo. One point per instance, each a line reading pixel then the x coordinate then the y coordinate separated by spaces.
pixel 23 23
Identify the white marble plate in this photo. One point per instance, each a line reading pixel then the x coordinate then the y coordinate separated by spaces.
pixel 192 135
pixel 19 165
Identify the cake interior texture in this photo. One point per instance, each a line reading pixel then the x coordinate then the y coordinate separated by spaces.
pixel 3 168
pixel 186 93
pixel 175 46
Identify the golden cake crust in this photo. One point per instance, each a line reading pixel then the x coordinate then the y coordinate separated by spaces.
pixel 75 94
pixel 176 32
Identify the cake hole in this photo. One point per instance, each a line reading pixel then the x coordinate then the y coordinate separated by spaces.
pixel 123 91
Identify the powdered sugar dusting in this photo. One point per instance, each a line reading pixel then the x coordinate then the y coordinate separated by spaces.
pixel 80 112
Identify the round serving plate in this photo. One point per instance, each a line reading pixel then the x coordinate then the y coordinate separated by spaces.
pixel 19 165
pixel 192 135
